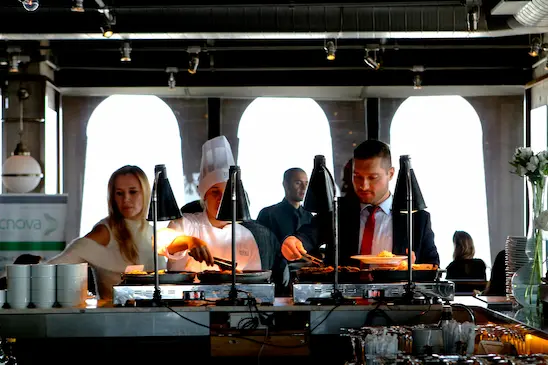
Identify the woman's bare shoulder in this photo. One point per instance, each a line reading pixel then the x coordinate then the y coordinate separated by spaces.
pixel 99 234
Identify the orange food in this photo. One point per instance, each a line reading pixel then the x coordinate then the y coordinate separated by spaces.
pixel 403 266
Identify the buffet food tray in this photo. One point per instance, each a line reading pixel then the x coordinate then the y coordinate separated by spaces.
pixel 122 294
pixel 302 293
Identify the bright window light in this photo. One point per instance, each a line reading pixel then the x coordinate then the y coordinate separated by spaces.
pixel 129 130
pixel 276 134
pixel 443 135
pixel 51 163
pixel 539 133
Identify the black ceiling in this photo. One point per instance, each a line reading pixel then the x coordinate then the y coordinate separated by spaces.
pixel 249 44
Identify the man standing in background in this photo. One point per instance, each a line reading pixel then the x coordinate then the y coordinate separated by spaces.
pixel 286 217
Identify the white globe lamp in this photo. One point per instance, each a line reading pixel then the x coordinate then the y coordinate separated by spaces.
pixel 21 173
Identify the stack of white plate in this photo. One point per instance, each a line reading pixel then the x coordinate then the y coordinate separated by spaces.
pixel 515 259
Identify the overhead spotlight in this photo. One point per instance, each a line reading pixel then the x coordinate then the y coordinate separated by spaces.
pixel 14 62
pixel 330 48
pixel 193 64
pixel 30 5
pixel 107 31
pixel 77 6
pixel 371 61
pixel 536 47
pixel 126 52
pixel 171 83
pixel 417 82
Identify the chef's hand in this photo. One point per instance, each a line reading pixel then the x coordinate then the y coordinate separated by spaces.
pixel 196 248
pixel 413 257
pixel 292 248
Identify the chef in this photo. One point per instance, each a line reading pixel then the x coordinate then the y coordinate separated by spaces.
pixel 368 224
pixel 191 242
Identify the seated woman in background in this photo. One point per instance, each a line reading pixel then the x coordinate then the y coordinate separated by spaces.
pixel 121 239
pixel 464 265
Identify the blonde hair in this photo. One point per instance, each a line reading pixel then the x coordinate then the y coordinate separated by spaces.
pixel 464 246
pixel 116 221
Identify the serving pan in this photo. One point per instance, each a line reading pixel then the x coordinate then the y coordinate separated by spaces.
pixel 169 277
pixel 245 277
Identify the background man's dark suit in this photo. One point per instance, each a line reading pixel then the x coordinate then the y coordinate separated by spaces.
pixel 349 233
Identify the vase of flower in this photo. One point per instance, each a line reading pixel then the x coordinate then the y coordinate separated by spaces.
pixel 526 281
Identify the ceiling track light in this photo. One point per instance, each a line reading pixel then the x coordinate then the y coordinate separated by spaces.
pixel 330 48
pixel 108 21
pixel 371 61
pixel 30 5
pixel 107 31
pixel 417 82
pixel 171 82
pixel 126 52
pixel 536 47
pixel 77 6
pixel 193 64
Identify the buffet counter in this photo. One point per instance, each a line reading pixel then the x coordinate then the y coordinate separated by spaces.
pixel 104 320
pixel 302 334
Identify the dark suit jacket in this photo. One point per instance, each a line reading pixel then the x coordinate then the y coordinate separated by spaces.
pixel 349 234
pixel 283 219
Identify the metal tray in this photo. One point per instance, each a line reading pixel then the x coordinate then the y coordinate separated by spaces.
pixel 246 277
pixel 171 277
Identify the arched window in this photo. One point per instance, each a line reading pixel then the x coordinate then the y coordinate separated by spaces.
pixel 443 135
pixel 129 130
pixel 276 134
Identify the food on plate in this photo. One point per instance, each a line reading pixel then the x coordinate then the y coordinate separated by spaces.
pixel 385 254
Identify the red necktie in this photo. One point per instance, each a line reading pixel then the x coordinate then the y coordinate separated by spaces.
pixel 368 231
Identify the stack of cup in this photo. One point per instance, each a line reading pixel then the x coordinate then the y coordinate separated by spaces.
pixel 42 285
pixel 72 284
pixel 18 278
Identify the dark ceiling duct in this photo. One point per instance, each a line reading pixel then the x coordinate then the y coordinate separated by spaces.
pixel 441 19
pixel 360 21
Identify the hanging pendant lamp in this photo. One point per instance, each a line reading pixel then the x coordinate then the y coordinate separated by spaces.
pixel 21 173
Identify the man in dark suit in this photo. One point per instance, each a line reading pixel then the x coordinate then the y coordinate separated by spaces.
pixel 288 215
pixel 366 220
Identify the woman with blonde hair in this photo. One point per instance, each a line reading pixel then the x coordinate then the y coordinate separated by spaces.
pixel 464 265
pixel 121 239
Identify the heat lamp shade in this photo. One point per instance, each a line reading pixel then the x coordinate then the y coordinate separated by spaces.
pixel 21 174
pixel 167 208
pixel 242 206
pixel 399 203
pixel 321 188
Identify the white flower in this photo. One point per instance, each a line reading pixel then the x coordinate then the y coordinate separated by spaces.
pixel 525 153
pixel 542 156
pixel 521 171
pixel 541 222
pixel 532 165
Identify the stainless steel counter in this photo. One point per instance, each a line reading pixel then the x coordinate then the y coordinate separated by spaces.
pixel 107 321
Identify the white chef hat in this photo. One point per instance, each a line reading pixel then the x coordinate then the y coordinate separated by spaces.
pixel 216 161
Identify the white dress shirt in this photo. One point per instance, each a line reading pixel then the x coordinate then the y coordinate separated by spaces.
pixel 382 237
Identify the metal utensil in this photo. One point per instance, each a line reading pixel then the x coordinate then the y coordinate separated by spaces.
pixel 312 259
pixel 225 265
